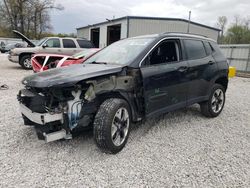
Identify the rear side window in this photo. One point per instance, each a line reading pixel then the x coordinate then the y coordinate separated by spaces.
pixel 84 43
pixel 195 49
pixel 68 43
pixel 216 48
pixel 208 48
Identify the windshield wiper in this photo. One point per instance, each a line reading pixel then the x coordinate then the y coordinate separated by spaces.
pixel 94 62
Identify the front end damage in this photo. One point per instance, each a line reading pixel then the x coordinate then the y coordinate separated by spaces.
pixel 56 112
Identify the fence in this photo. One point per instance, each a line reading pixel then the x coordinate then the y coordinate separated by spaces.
pixel 238 55
pixel 12 40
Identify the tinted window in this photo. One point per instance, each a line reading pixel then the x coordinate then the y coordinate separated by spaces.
pixel 68 43
pixel 208 48
pixel 166 52
pixel 84 44
pixel 195 49
pixel 53 43
pixel 216 48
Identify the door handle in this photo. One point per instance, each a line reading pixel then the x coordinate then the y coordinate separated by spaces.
pixel 182 69
pixel 211 62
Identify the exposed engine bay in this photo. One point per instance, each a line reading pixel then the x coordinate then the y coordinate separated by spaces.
pixel 56 112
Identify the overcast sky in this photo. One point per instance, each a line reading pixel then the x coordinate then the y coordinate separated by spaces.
pixel 78 13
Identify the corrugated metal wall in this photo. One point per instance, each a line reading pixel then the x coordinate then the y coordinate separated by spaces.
pixel 153 26
pixel 85 32
pixel 142 26
pixel 238 55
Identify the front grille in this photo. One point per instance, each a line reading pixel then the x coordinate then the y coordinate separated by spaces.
pixel 34 101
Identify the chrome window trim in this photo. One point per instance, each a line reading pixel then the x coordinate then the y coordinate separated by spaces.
pixel 178 38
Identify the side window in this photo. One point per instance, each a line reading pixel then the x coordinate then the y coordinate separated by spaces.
pixel 167 52
pixel 68 43
pixel 195 49
pixel 208 48
pixel 216 48
pixel 53 43
pixel 84 43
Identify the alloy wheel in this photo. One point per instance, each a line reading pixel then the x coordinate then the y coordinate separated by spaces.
pixel 217 101
pixel 120 126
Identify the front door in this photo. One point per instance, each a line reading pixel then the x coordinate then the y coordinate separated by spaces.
pixel 164 78
pixel 51 46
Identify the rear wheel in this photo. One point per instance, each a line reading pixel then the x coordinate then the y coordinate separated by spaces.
pixel 25 62
pixel 112 125
pixel 215 103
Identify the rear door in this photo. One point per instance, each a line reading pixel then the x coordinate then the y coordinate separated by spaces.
pixel 70 47
pixel 164 78
pixel 202 68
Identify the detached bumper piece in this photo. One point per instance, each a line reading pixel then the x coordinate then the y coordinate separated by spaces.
pixel 62 134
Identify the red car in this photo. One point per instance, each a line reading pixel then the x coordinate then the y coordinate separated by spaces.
pixel 43 62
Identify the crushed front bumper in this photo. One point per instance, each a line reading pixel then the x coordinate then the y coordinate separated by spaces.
pixel 40 118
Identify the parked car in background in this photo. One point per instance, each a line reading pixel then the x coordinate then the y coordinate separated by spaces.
pixel 52 45
pixel 11 46
pixel 126 82
pixel 2 45
pixel 43 62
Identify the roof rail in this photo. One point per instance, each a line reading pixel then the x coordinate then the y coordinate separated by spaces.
pixel 194 34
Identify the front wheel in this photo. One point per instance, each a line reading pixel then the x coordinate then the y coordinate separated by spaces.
pixel 25 62
pixel 112 125
pixel 215 103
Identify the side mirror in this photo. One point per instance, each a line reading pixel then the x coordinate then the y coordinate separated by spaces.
pixel 45 45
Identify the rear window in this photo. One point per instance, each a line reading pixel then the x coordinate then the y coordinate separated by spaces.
pixel 195 49
pixel 68 43
pixel 84 43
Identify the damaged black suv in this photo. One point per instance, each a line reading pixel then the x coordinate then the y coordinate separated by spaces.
pixel 126 82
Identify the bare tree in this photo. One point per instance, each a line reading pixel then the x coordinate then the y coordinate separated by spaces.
pixel 31 17
pixel 221 23
pixel 237 20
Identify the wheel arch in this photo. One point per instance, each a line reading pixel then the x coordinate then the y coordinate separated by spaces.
pixel 23 54
pixel 222 80
pixel 122 95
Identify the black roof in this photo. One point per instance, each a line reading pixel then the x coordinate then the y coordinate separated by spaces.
pixel 149 18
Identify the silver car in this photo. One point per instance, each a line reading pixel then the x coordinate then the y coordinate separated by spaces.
pixel 48 45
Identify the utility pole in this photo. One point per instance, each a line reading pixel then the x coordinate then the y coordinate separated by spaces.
pixel 189 17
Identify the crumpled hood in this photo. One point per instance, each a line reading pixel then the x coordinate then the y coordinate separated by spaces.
pixel 68 76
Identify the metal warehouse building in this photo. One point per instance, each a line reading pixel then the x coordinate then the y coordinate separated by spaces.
pixel 105 33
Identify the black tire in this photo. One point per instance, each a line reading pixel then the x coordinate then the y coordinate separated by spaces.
pixel 23 62
pixel 103 124
pixel 207 106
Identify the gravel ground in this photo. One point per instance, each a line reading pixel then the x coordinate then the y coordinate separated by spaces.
pixel 180 149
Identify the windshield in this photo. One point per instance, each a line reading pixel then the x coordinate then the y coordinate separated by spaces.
pixel 40 42
pixel 84 53
pixel 120 52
